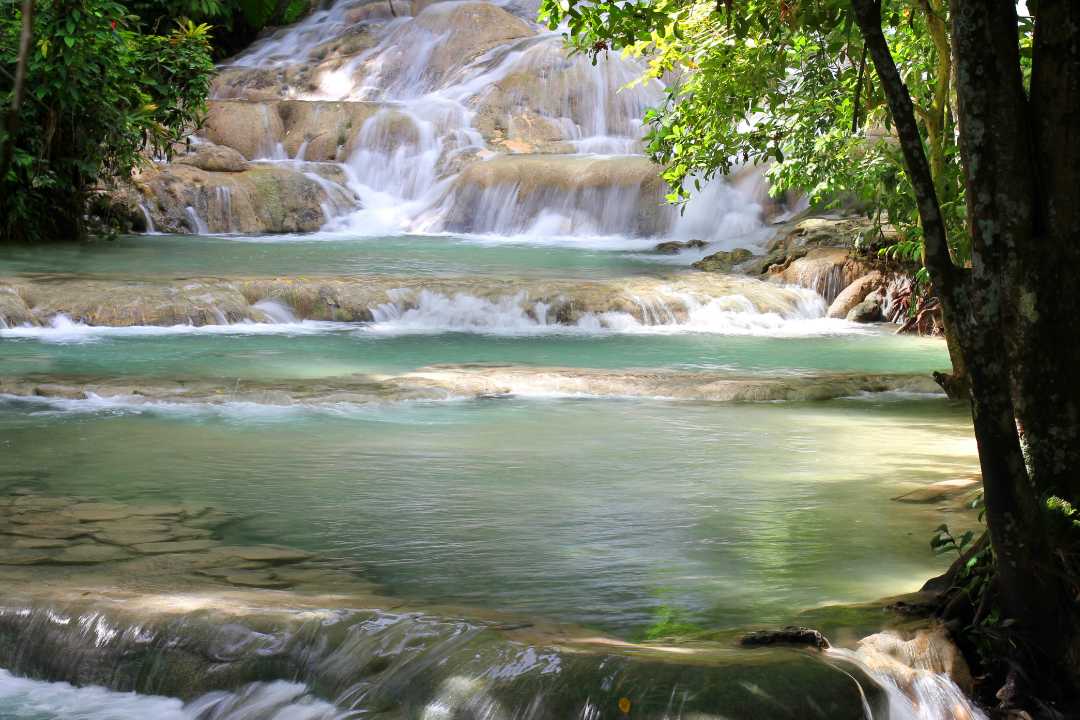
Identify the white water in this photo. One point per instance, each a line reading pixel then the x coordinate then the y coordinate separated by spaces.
pixel 37 700
pixel 418 164
pixel 197 223
pixel 926 695
pixel 429 312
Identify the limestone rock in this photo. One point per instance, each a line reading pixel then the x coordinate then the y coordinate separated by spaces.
pixel 929 650
pixel 942 490
pixel 791 635
pixel 213 158
pixel 264 553
pixel 13 310
pixel 673 247
pixel 855 293
pixel 578 185
pixel 826 270
pixel 262 199
pixel 89 555
pixel 181 546
pixel 869 310
pixel 723 261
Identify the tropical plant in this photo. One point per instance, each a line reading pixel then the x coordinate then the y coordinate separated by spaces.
pixel 100 95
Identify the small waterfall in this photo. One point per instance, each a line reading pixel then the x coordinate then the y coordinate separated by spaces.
pixel 149 220
pixel 912 674
pixel 224 199
pixel 196 224
pixel 326 665
pixel 276 310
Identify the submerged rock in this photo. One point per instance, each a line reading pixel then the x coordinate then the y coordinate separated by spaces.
pixel 869 310
pixel 723 261
pixel 673 247
pixel 855 293
pixel 791 635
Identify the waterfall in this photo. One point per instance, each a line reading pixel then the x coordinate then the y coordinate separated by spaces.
pixel 195 223
pixel 484 125
pixel 224 199
pixel 149 220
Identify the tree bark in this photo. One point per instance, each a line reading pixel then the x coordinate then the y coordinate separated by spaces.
pixel 1006 313
pixel 18 87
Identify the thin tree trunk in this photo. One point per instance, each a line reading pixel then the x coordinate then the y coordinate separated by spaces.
pixel 17 90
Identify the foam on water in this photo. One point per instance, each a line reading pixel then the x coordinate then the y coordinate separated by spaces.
pixel 25 699
pixel 62 329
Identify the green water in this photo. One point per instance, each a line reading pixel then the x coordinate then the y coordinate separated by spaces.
pixel 598 512
pixel 612 514
pixel 178 255
pixel 357 349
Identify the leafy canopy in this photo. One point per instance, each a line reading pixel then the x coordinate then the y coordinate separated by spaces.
pixel 785 82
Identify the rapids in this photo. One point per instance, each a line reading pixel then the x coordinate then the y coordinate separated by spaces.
pixel 471 448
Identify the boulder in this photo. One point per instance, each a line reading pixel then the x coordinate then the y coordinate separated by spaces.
pixel 723 261
pixel 213 158
pixel 855 293
pixel 467 30
pixel 13 309
pixel 826 270
pixel 621 194
pixel 819 231
pixel 869 310
pixel 791 635
pixel 320 130
pixel 927 651
pixel 262 199
pixel 673 247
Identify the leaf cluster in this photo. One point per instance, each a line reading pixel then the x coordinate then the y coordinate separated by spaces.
pixel 100 95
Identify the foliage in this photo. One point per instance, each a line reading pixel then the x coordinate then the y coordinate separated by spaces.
pixel 100 93
pixel 235 21
pixel 786 83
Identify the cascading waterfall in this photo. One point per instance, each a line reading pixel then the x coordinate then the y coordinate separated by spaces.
pixel 486 126
pixel 197 224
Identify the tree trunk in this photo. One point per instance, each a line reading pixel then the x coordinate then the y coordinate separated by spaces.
pixel 1016 335
pixel 12 123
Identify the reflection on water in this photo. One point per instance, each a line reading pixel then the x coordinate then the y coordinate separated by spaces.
pixel 577 510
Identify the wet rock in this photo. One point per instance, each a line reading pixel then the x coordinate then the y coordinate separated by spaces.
pixel 91 512
pixel 791 635
pixel 89 555
pixel 51 532
pixel 869 310
pixel 532 184
pixel 38 544
pixel 942 490
pixel 180 546
pixel 723 261
pixel 213 158
pixel 927 651
pixel 469 29
pixel 825 270
pixel 264 553
pixel 262 199
pixel 13 309
pixel 855 293
pixel 673 247
pixel 255 579
pixel 10 556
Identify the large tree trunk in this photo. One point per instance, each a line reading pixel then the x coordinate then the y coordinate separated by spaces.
pixel 1010 314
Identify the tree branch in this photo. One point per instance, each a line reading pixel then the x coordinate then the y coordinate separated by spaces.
pixel 938 262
